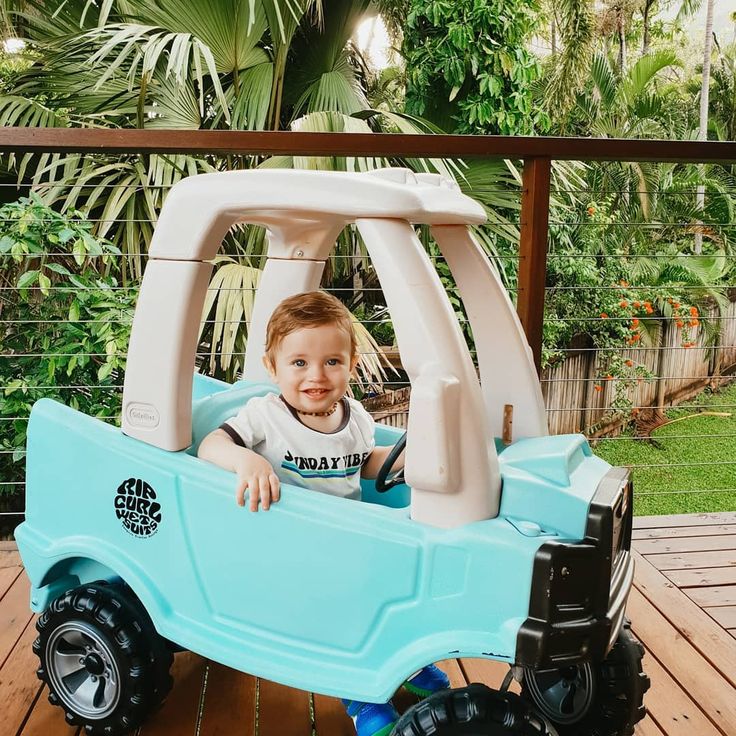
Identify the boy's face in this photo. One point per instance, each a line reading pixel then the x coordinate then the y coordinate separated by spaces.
pixel 312 367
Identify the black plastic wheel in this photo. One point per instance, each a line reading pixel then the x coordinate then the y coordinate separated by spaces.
pixel 606 699
pixel 99 659
pixel 475 710
pixel 161 653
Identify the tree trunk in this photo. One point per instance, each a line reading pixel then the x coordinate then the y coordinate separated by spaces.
pixel 704 102
pixel 621 40
pixel 645 12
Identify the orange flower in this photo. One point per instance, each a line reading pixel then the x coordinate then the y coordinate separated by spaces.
pixel 636 337
pixel 637 305
pixel 679 323
pixel 598 388
pixel 676 305
pixel 624 283
pixel 623 303
pixel 604 315
pixel 609 377
pixel 648 307
pixel 688 345
pixel 629 363
pixel 694 311
pixel 634 323
pixel 591 210
pixel 694 322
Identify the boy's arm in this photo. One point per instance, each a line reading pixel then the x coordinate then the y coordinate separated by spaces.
pixel 253 471
pixel 376 459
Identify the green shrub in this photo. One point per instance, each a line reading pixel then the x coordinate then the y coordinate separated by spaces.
pixel 64 323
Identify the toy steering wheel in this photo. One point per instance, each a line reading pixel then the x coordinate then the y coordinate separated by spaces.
pixel 385 479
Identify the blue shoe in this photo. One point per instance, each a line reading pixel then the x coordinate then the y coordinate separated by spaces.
pixel 372 719
pixel 428 680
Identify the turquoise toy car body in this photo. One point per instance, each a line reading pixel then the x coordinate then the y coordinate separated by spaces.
pixel 515 552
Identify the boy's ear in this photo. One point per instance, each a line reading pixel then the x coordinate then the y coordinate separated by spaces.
pixel 353 363
pixel 268 366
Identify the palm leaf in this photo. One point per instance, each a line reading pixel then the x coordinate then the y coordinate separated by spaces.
pixel 646 68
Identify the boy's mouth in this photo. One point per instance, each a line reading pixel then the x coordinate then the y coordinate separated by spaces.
pixel 316 393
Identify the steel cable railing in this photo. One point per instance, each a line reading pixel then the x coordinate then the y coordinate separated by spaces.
pixel 580 392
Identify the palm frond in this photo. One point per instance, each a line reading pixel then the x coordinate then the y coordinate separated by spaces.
pixel 147 48
pixel 232 292
pixel 646 68
pixel 604 79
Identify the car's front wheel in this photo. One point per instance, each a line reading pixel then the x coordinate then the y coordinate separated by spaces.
pixel 98 660
pixel 475 710
pixel 604 699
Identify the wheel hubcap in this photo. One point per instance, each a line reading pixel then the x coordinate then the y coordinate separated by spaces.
pixel 82 670
pixel 563 696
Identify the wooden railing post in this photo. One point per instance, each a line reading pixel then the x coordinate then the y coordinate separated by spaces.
pixel 533 252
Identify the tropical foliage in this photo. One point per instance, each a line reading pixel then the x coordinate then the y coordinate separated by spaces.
pixel 616 69
pixel 468 67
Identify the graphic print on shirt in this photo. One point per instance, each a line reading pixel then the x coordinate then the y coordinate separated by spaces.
pixel 342 466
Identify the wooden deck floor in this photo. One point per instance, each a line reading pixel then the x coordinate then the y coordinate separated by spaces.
pixel 683 609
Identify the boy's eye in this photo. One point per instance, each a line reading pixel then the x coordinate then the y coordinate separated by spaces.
pixel 299 363
pixel 333 361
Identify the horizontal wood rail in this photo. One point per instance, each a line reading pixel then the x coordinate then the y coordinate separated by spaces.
pixel 81 140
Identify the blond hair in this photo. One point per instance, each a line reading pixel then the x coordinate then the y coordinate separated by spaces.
pixel 302 311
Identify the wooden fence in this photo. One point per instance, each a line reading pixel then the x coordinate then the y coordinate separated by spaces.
pixel 676 374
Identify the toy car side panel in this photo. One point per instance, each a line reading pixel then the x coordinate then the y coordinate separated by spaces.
pixel 82 502
pixel 319 593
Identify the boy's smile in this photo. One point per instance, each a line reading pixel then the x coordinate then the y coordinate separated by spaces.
pixel 312 367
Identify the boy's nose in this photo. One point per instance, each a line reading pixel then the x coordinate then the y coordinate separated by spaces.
pixel 316 372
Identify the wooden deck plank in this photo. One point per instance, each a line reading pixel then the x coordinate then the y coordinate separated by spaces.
pixel 671 707
pixel 648 727
pixel 725 615
pixel 685 615
pixel 8 576
pixel 229 705
pixel 179 714
pixel 18 683
pixel 487 671
pixel 330 718
pixel 685 544
pixel 47 719
pixel 705 576
pixel 685 664
pixel 10 558
pixel 15 613
pixel 659 522
pixel 683 531
pixel 714 596
pixel 690 560
pixel 282 711
pixel 451 667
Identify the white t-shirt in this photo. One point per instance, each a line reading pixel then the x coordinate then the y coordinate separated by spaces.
pixel 302 456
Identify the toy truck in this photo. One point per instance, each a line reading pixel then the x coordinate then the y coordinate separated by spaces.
pixel 516 552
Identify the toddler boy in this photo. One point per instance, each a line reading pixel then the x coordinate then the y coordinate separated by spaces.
pixel 311 435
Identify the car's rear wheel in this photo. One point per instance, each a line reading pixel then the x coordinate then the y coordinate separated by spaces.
pixel 99 660
pixel 606 699
pixel 475 710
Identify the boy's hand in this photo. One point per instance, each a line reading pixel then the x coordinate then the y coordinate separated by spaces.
pixel 256 475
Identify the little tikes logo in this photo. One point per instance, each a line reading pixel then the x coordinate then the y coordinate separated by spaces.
pixel 137 508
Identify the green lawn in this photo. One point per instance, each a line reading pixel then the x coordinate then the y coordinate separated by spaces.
pixel 697 457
